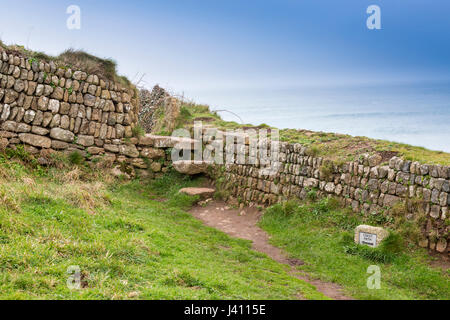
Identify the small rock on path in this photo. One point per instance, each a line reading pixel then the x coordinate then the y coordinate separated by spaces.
pixel 204 193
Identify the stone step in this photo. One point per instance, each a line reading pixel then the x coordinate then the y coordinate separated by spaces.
pixel 191 167
pixel 204 193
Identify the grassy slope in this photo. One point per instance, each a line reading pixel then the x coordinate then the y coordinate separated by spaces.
pixel 337 147
pixel 313 233
pixel 131 244
pixel 126 244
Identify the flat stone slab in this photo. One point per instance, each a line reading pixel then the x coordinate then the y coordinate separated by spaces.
pixel 166 141
pixel 371 236
pixel 191 167
pixel 204 193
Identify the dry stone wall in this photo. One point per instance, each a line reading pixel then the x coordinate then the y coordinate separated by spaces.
pixel 47 108
pixel 365 185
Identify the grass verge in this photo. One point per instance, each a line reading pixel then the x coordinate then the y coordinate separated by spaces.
pixel 320 234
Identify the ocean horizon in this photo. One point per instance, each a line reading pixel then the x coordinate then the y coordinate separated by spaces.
pixel 415 114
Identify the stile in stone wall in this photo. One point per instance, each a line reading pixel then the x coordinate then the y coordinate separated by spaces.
pixel 47 109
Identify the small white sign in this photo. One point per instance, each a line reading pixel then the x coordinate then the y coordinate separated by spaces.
pixel 368 239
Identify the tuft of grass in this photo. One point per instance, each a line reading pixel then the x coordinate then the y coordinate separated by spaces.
pixel 393 243
pixel 326 170
pixel 313 151
pixel 76 60
pixel 138 131
pixel 8 201
pixel 82 60
pixel 75 157
pixel 311 195
pixel 19 153
pixel 184 115
pixel 389 249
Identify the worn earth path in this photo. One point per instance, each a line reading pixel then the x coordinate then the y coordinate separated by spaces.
pixel 218 215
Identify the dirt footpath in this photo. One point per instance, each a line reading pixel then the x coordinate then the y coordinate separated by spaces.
pixel 218 215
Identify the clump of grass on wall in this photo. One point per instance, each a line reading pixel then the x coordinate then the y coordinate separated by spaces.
pixel 76 158
pixel 92 64
pixel 138 131
pixel 326 170
pixel 76 60
pixel 388 250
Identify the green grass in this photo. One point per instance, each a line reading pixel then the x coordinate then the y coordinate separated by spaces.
pixel 75 157
pixel 321 234
pixel 131 240
pixel 135 240
pixel 74 59
pixel 138 131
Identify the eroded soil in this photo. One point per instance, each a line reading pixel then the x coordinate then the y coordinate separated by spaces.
pixel 244 224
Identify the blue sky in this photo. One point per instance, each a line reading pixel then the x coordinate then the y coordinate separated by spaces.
pixel 186 45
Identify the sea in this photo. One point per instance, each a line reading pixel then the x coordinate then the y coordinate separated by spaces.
pixel 416 114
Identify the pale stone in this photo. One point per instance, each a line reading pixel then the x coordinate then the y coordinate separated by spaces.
pixel 129 150
pixel 166 142
pixel 59 145
pixel 423 243
pixel 374 160
pixel 53 106
pixel 40 131
pixel 58 93
pixel 191 167
pixel 153 153
pixel 435 212
pixel 95 150
pixel 43 103
pixel 61 134
pixel 330 187
pixel 380 234
pixel 65 122
pixel 85 141
pixel 9 126
pixel 89 100
pixel 35 140
pixel 156 167
pixel 203 193
pixel 111 148
pixel 6 112
pixel 441 245
pixel 390 200
pixel 23 128
pixel 3 143
pixel 10 96
pixel 147 140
